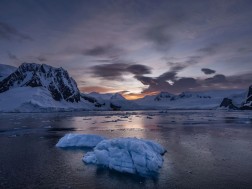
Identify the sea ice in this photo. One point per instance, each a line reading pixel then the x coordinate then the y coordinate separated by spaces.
pixel 79 140
pixel 130 155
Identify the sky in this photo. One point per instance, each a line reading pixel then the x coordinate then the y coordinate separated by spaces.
pixel 134 47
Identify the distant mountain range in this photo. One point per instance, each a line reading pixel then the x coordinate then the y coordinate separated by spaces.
pixel 42 88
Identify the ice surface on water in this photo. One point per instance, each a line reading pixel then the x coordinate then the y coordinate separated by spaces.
pixel 79 140
pixel 130 155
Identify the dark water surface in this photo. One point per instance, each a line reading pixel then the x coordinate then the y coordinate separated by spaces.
pixel 205 149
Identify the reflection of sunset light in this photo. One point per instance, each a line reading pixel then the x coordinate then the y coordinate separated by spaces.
pixel 128 125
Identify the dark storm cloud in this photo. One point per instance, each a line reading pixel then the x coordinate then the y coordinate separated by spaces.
pixel 116 71
pixel 208 71
pixel 218 78
pixel 8 32
pixel 181 84
pixel 139 69
pixel 146 80
pixel 170 75
pixel 168 81
pixel 161 84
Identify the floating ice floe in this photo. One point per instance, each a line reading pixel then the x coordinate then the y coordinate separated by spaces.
pixel 130 155
pixel 79 140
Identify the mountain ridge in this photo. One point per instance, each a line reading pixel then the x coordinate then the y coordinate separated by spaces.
pixel 56 80
pixel 40 87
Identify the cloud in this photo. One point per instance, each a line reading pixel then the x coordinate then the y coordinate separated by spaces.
pixel 160 38
pixel 170 82
pixel 12 56
pixel 208 71
pixel 178 66
pixel 210 49
pixel 138 69
pixel 162 24
pixel 112 71
pixel 146 80
pixel 161 83
pixel 116 71
pixel 185 83
pixel 8 32
pixel 98 89
pixel 244 50
pixel 104 51
pixel 218 78
pixel 42 58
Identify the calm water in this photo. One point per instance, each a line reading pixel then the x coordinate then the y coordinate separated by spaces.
pixel 205 149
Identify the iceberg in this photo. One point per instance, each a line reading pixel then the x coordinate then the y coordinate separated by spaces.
pixel 79 140
pixel 128 155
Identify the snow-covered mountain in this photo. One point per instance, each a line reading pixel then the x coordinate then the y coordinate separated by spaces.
pixel 5 71
pixel 110 101
pixel 40 88
pixel 106 96
pixel 55 80
pixel 190 100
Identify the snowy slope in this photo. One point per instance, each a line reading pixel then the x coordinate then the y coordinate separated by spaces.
pixel 41 88
pixel 5 71
pixel 38 99
pixel 190 100
pixel 105 96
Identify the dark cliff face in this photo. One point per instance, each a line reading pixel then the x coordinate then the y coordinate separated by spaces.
pixel 56 80
pixel 249 95
pixel 228 103
pixel 248 104
pixel 163 95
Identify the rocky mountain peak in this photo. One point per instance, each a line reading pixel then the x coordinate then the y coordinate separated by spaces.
pixel 56 80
